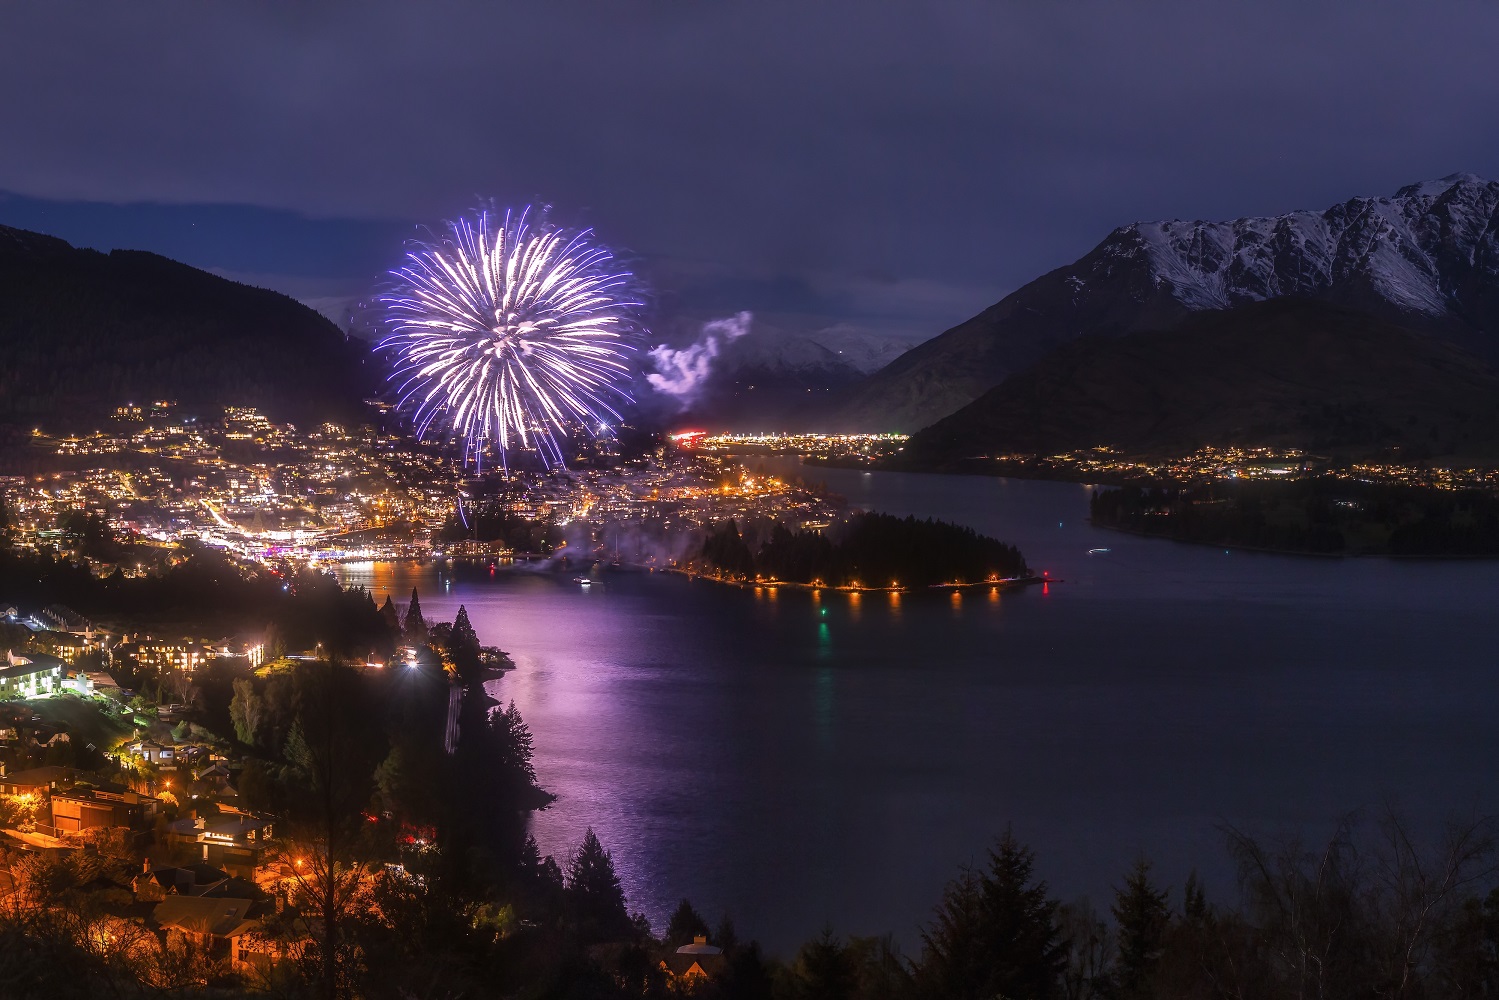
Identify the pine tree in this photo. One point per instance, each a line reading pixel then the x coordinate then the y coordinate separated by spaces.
pixel 995 933
pixel 747 977
pixel 415 624
pixel 686 924
pixel 1194 900
pixel 953 961
pixel 463 647
pixel 296 751
pixel 725 936
pixel 595 899
pixel 1143 917
pixel 274 644
pixel 391 618
pixel 825 968
pixel 1026 956
pixel 508 752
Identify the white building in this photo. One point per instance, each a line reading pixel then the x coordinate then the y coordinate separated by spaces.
pixel 35 676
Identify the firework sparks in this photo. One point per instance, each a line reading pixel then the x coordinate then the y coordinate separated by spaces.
pixel 511 332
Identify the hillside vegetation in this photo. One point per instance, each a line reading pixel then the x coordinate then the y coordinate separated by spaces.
pixel 83 332
pixel 1288 372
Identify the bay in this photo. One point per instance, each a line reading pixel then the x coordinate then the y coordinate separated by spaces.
pixel 794 761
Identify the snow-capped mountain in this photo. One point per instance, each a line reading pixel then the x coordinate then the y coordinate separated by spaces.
pixel 1428 251
pixel 1428 257
pixel 844 350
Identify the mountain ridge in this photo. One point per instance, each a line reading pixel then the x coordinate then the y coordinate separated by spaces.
pixel 1285 372
pixel 86 331
pixel 1426 257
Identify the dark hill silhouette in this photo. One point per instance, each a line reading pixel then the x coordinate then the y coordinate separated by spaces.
pixel 1290 372
pixel 82 332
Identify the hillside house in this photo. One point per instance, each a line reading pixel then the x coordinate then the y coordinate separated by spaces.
pixel 35 675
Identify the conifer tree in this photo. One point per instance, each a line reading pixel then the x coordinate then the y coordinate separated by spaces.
pixel 748 977
pixel 389 616
pixel 686 923
pixel 725 936
pixel 1026 955
pixel 463 647
pixel 510 750
pixel 1143 917
pixel 995 933
pixel 825 968
pixel 595 899
pixel 1194 900
pixel 953 962
pixel 415 624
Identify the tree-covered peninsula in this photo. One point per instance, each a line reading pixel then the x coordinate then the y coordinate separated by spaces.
pixel 867 550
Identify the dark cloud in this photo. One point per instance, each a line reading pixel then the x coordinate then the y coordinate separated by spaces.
pixel 843 159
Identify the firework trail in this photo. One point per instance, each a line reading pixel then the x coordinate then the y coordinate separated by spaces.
pixel 511 332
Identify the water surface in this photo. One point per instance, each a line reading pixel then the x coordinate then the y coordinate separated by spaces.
pixel 793 760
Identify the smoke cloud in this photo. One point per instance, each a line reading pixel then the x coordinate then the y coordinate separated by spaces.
pixel 682 374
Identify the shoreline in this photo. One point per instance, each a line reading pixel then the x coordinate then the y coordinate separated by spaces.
pixel 1008 583
pixel 1260 550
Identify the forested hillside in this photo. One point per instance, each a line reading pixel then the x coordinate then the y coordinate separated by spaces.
pixel 82 332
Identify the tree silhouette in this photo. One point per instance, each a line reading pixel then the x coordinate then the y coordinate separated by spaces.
pixel 463 647
pixel 825 969
pixel 1143 917
pixel 389 616
pixel 995 933
pixel 686 924
pixel 595 900
pixel 415 625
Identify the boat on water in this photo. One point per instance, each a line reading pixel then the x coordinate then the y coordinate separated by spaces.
pixel 1098 552
pixel 582 581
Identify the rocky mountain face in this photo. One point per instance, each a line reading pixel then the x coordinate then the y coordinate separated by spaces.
pixel 1426 258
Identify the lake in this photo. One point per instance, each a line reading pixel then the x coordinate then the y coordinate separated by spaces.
pixel 795 761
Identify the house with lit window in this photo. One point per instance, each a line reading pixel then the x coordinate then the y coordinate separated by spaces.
pixel 222 927
pixel 67 646
pixel 231 841
pixel 38 781
pixel 154 753
pixel 87 807
pixel 34 675
pixel 186 655
pixel 694 963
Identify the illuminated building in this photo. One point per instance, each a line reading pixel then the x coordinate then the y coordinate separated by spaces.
pixel 231 841
pixel 101 805
pixel 34 676
pixel 185 655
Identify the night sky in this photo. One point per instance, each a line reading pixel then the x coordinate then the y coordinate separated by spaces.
pixel 889 166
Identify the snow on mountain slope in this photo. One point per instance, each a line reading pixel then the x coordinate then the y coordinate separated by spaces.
pixel 1427 257
pixel 843 348
pixel 1411 251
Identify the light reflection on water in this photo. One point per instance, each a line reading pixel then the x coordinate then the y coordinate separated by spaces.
pixel 748 750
